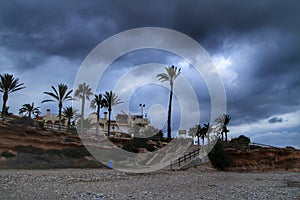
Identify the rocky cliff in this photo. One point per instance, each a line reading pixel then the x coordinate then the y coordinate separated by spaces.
pixel 265 159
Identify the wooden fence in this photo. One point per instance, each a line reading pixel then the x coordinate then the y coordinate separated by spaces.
pixel 185 158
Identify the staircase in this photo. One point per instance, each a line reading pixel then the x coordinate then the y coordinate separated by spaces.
pixel 196 156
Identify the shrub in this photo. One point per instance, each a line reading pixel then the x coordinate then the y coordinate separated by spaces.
pixel 76 152
pixel 69 140
pixel 40 124
pixel 7 154
pixel 30 149
pixel 53 152
pixel 219 158
pixel 242 142
pixel 135 144
pixel 26 121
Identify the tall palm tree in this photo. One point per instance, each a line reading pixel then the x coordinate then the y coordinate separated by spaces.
pixel 198 133
pixel 29 109
pixel 170 76
pixel 98 102
pixel 112 100
pixel 8 84
pixel 61 95
pixel 83 92
pixel 69 113
pixel 6 110
pixel 223 121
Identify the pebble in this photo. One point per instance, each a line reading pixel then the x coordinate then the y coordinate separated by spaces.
pixel 82 184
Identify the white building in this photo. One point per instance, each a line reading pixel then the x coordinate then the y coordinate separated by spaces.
pixel 53 119
pixel 121 124
pixel 182 134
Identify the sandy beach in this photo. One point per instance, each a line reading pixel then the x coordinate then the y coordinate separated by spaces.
pixel 164 184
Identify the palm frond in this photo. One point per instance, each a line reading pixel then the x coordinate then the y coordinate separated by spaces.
pixel 52 95
pixel 48 100
pixel 163 77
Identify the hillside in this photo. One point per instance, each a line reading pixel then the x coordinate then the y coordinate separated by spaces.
pixel 31 147
pixel 14 135
pixel 265 159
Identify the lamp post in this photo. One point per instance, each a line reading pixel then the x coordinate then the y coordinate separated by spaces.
pixel 142 109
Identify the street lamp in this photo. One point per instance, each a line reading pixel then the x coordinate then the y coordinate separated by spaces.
pixel 142 109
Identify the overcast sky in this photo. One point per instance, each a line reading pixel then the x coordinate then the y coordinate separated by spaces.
pixel 254 44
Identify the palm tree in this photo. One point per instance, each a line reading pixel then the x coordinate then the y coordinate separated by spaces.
pixel 223 121
pixel 170 76
pixel 198 133
pixel 69 113
pixel 195 131
pixel 192 132
pixel 61 95
pixel 204 132
pixel 83 92
pixel 8 84
pixel 86 124
pixel 208 128
pixel 29 109
pixel 98 102
pixel 112 100
pixel 6 110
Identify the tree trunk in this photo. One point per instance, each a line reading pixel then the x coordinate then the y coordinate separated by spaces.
pixel 198 142
pixel 69 122
pixel 98 116
pixel 108 127
pixel 5 97
pixel 82 113
pixel 169 112
pixel 59 114
pixel 226 134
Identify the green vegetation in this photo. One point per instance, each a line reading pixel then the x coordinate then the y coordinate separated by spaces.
pixel 242 142
pixel 29 157
pixel 76 153
pixel 83 93
pixel 219 158
pixel 135 144
pixel 112 100
pixel 200 132
pixel 223 121
pixel 98 102
pixel 8 84
pixel 61 95
pixel 29 109
pixel 24 121
pixel 7 154
pixel 69 113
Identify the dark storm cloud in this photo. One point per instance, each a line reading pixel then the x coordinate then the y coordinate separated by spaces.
pixel 69 28
pixel 52 28
pixel 266 32
pixel 268 80
pixel 275 120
